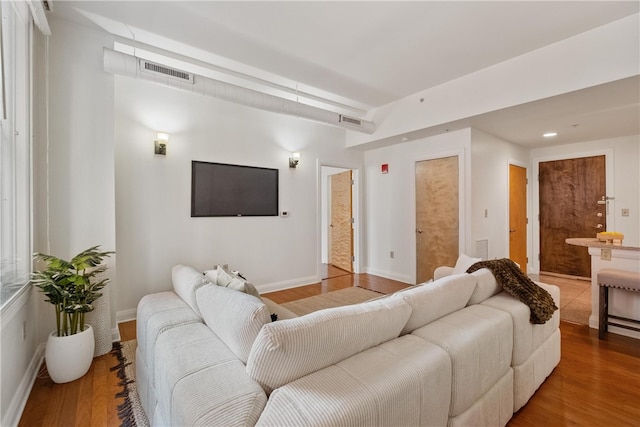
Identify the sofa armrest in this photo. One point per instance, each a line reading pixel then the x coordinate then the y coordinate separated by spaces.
pixel 442 271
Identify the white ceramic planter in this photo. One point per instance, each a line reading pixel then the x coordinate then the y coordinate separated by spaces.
pixel 68 358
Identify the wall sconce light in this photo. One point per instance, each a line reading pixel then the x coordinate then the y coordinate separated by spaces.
pixel 161 143
pixel 294 160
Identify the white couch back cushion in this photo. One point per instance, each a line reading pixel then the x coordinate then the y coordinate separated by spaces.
pixel 486 286
pixel 434 300
pixel 290 349
pixel 235 317
pixel 186 280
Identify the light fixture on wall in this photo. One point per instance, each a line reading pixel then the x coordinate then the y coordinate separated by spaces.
pixel 162 139
pixel 294 159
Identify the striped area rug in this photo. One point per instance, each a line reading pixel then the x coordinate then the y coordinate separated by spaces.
pixel 347 296
pixel 130 412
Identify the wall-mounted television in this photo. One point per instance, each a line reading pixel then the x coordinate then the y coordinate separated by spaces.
pixel 219 189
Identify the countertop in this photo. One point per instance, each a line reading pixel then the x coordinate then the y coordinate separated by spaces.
pixel 592 242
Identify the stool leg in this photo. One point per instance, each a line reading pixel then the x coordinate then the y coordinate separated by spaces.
pixel 603 316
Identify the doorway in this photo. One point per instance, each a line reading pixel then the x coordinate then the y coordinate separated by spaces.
pixel 518 216
pixel 341 221
pixel 569 192
pixel 437 215
pixel 338 221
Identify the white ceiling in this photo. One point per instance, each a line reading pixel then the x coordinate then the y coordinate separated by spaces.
pixel 361 55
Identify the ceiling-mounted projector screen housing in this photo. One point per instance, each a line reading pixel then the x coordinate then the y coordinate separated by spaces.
pixel 219 189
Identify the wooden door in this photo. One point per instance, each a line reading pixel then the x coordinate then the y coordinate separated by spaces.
pixel 341 226
pixel 437 215
pixel 569 193
pixel 518 215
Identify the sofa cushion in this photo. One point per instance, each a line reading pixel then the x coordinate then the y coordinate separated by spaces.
pixel 201 382
pixel 403 382
pixel 433 300
pixel 463 263
pixel 290 349
pixel 235 317
pixel 527 336
pixel 479 341
pixel 221 277
pixel 486 286
pixel 186 280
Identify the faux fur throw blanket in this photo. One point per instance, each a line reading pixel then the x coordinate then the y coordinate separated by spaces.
pixel 518 284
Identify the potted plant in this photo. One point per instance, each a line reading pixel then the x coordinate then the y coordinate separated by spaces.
pixel 71 287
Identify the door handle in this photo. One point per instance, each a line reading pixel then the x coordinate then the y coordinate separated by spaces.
pixel 512 230
pixel 599 226
pixel 419 231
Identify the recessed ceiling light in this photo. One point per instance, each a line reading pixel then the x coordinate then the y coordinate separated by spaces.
pixel 550 134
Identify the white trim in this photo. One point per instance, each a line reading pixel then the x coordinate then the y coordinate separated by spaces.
pixel 39 17
pixel 357 203
pixel 125 316
pixel 288 284
pixel 13 413
pixel 388 274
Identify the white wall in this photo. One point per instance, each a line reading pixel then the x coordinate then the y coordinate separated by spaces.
pixel 154 227
pixel 390 201
pixel 622 182
pixel 75 177
pixel 390 198
pixel 490 161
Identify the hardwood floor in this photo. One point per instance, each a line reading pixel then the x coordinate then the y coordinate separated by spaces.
pixel 597 383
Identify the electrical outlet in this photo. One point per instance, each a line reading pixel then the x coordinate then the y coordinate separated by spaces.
pixel 625 212
pixel 605 254
pixel 392 254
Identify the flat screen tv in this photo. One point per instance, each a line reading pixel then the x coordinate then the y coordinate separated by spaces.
pixel 219 189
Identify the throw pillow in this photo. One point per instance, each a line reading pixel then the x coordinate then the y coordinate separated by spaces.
pixel 235 317
pixel 463 263
pixel 243 286
pixel 224 278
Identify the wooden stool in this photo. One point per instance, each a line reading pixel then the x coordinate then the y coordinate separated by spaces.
pixel 619 279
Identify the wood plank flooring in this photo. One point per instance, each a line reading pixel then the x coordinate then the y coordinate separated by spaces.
pixel 597 383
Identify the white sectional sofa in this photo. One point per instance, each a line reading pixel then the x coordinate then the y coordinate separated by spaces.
pixel 455 351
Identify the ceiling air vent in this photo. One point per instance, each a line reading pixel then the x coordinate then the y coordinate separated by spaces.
pixel 350 120
pixel 153 68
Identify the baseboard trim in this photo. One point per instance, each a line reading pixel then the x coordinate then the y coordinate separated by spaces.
pixel 390 275
pixel 126 315
pixel 16 407
pixel 288 284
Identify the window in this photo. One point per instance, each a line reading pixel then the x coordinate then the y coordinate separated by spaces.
pixel 15 152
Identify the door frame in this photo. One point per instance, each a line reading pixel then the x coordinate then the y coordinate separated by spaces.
pixel 324 209
pixel 529 212
pixel 464 202
pixel 610 189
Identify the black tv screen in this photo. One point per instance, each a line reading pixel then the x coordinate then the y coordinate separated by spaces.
pixel 219 189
